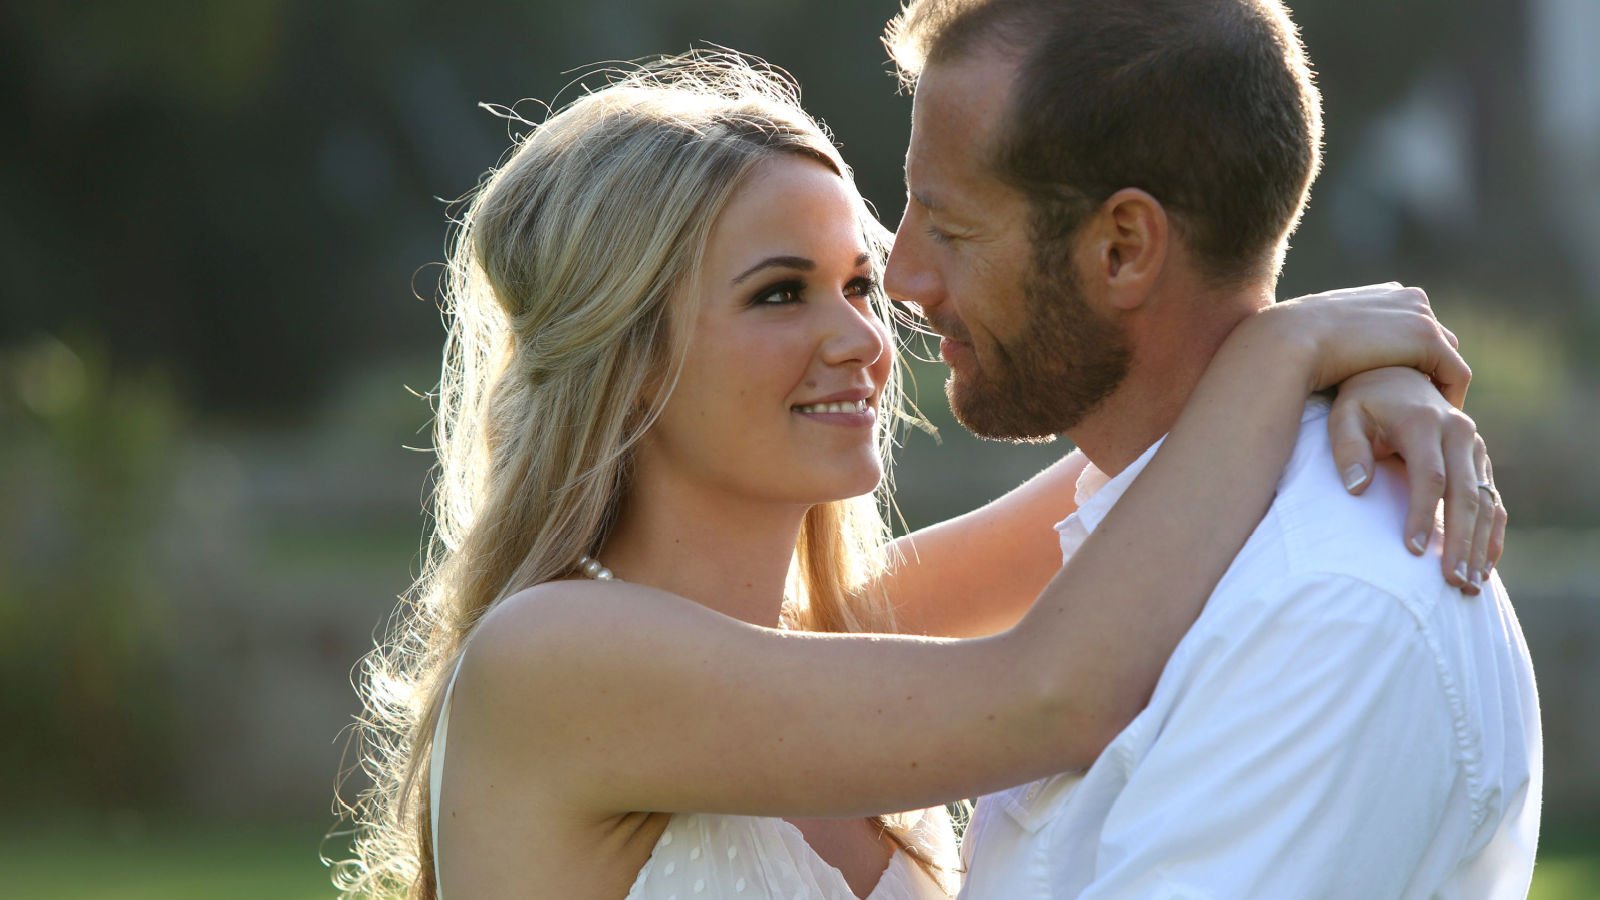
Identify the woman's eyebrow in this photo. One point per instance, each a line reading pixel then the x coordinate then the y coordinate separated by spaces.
pixel 783 262
pixel 790 262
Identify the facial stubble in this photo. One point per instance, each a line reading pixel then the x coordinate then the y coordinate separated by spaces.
pixel 1067 360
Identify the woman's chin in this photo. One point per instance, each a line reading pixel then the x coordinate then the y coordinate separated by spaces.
pixel 846 485
pixel 862 484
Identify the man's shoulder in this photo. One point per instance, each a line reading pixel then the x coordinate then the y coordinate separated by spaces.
pixel 1321 530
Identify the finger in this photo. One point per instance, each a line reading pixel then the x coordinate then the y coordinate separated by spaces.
pixel 1352 448
pixel 1452 374
pixel 1455 342
pixel 1497 536
pixel 1484 528
pixel 1421 448
pixel 1462 499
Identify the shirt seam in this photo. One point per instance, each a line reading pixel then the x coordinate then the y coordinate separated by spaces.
pixel 1467 742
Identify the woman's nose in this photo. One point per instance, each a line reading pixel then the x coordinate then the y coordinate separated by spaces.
pixel 856 336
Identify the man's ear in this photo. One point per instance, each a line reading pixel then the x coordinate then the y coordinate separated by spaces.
pixel 1126 243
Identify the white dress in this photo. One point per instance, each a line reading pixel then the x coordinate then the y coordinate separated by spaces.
pixel 718 857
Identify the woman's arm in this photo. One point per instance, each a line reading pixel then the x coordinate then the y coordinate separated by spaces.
pixel 977 573
pixel 591 699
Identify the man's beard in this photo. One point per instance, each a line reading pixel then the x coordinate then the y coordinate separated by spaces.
pixel 1044 382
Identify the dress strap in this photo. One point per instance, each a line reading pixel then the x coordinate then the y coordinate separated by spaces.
pixel 441 730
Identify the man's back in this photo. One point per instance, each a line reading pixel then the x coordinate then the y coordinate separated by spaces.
pixel 1339 723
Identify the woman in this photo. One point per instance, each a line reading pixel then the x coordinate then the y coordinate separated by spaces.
pixel 668 360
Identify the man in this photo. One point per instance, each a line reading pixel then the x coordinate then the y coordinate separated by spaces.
pixel 1099 191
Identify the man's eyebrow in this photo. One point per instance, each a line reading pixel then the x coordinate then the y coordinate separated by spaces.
pixel 781 262
pixel 924 201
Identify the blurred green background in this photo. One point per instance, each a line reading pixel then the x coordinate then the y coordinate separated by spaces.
pixel 220 234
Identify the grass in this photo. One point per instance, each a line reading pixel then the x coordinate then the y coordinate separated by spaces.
pixel 184 861
pixel 163 862
pixel 1569 864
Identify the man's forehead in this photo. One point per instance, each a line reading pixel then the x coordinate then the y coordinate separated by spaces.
pixel 955 120
pixel 971 91
pixel 953 184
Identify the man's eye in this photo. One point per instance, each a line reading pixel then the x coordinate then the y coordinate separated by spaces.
pixel 778 294
pixel 937 236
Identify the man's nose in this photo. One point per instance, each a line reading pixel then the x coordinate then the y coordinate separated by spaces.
pixel 908 278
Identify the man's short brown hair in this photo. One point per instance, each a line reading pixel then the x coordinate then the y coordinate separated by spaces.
pixel 1208 105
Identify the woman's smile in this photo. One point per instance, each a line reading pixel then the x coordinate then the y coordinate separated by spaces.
pixel 854 408
pixel 844 414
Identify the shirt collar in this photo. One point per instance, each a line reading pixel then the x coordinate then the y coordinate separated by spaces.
pixel 1098 492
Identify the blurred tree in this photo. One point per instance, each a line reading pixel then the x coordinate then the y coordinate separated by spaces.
pixel 85 475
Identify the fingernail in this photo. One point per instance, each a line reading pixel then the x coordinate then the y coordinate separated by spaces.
pixel 1418 543
pixel 1461 572
pixel 1477 578
pixel 1355 476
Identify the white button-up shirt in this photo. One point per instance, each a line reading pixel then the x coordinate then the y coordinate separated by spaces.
pixel 1339 722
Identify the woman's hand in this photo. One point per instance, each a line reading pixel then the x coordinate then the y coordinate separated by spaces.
pixel 1368 328
pixel 1383 326
pixel 1397 411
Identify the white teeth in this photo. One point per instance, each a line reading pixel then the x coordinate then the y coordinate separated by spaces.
pixel 846 407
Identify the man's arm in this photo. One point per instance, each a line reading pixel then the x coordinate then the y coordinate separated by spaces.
pixel 1312 755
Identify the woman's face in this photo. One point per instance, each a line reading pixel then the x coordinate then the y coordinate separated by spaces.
pixel 778 396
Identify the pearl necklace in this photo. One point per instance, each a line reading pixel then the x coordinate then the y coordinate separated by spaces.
pixel 591 568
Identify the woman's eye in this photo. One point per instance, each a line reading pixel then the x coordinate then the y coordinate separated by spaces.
pixel 861 287
pixel 778 294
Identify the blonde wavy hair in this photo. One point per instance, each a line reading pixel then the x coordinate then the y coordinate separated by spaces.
pixel 565 294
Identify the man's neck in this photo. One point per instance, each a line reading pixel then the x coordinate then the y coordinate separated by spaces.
pixel 1173 342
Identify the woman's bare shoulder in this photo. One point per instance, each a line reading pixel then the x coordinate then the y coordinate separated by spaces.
pixel 537 660
pixel 577 603
pixel 568 624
